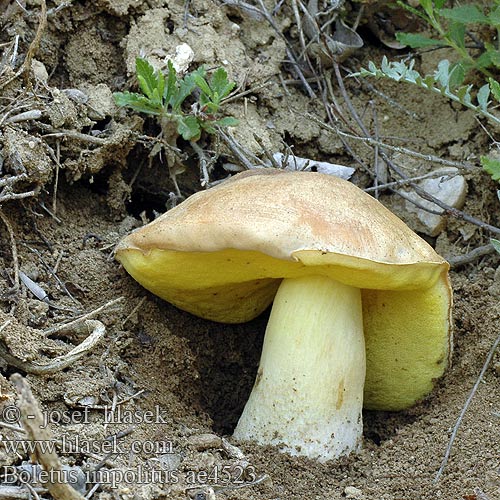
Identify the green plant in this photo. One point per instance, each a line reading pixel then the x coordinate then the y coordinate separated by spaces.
pixel 443 81
pixel 164 96
pixel 452 27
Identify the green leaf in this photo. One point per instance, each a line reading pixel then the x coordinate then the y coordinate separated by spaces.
pixel 442 74
pixel 492 166
pixel 491 57
pixel 207 106
pixel 171 86
pixel 463 93
pixel 416 41
pixel 372 67
pixel 496 244
pixel 483 95
pixel 456 34
pixel 160 88
pixel 495 88
pixel 227 121
pixel 202 83
pixel 137 102
pixel 220 84
pixel 146 76
pixel 494 16
pixel 188 127
pixel 457 75
pixel 186 87
pixel 428 7
pixel 438 4
pixel 465 14
pixel 428 81
pixel 495 57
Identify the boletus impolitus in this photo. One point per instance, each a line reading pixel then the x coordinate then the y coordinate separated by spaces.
pixel 355 292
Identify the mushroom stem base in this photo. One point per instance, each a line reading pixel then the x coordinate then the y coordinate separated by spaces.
pixel 308 395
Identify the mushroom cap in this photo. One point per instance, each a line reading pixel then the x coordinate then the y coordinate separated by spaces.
pixel 222 253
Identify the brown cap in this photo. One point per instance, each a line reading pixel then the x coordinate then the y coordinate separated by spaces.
pixel 222 253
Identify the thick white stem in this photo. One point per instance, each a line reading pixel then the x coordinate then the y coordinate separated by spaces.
pixel 308 395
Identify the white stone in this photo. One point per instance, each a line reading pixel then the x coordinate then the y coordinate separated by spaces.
pixel 182 58
pixel 448 187
pixel 39 71
pixel 353 492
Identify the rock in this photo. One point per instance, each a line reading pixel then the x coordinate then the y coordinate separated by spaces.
pixel 182 58
pixel 39 72
pixel 353 492
pixel 447 186
pixel 169 461
pixel 100 101
pixel 205 441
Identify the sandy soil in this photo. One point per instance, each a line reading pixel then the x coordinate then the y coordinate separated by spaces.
pixel 180 382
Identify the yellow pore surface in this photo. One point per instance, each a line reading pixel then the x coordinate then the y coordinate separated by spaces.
pixel 406 308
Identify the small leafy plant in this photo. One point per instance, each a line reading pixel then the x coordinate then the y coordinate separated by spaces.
pixel 164 96
pixel 443 81
pixel 452 26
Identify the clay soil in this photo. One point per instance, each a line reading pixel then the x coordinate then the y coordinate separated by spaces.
pixel 168 387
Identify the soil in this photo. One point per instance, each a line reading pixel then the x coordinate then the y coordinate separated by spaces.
pixel 175 384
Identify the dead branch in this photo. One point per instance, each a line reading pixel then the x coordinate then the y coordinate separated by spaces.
pixel 35 43
pixel 473 255
pixel 97 330
pixel 33 114
pixel 397 149
pixel 33 423
pixel 7 184
pixel 72 134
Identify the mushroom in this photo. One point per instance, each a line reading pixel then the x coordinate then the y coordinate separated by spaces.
pixel 353 287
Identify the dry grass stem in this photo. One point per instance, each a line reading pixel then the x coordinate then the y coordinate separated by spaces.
pixel 397 149
pixel 70 325
pixel 464 409
pixel 13 249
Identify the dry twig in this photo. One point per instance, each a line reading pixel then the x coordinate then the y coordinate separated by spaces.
pixel 464 409
pixel 7 184
pixel 70 325
pixel 33 422
pixel 97 330
pixel 35 43
pixel 473 255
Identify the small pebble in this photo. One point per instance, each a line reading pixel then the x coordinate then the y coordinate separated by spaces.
pixel 205 441
pixel 353 492
pixel 449 188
